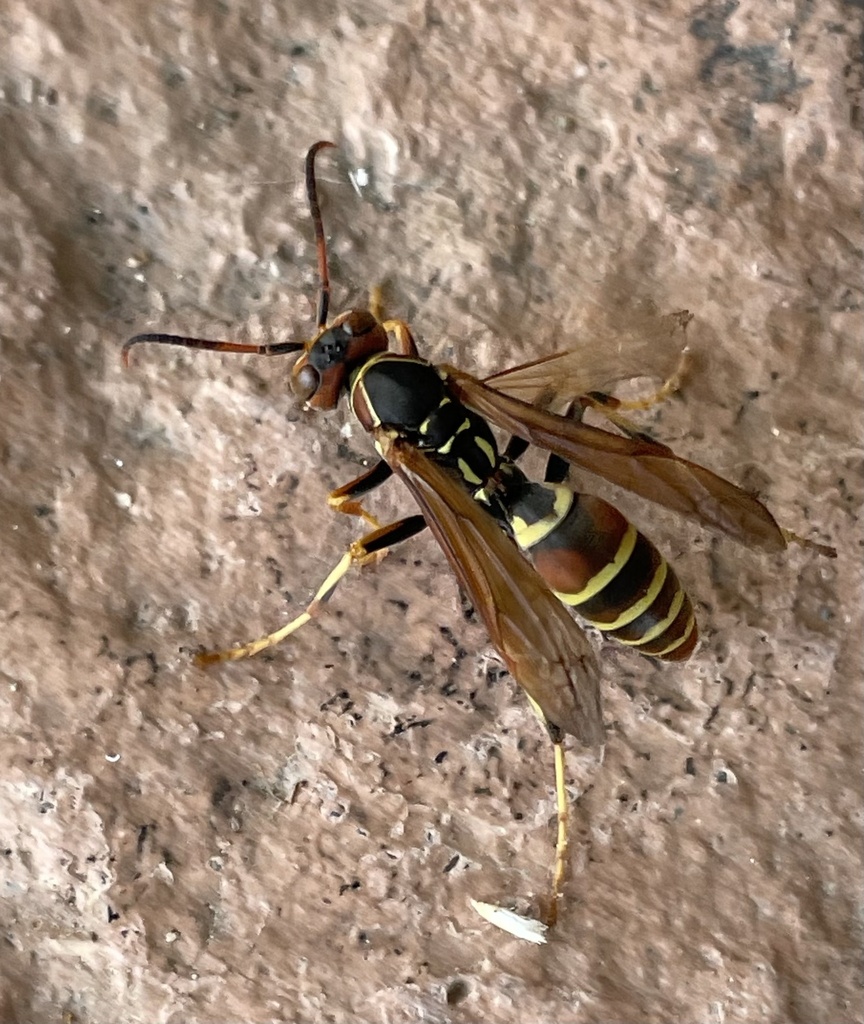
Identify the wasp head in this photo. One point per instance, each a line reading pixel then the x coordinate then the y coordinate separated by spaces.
pixel 322 372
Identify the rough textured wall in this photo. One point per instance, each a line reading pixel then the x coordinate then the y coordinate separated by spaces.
pixel 296 837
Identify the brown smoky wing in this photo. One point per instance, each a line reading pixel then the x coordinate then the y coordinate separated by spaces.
pixel 644 467
pixel 544 648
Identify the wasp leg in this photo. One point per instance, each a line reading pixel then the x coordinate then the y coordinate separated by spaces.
pixel 559 872
pixel 376 302
pixel 516 448
pixel 611 407
pixel 608 405
pixel 361 552
pixel 405 344
pixel 556 467
pixel 340 499
pixel 529 928
pixel 556 470
pixel 823 549
pixel 562 841
pixel 667 388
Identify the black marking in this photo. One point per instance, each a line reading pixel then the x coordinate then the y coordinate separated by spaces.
pixel 657 611
pixel 626 588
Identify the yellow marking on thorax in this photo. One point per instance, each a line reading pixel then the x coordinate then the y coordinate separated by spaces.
pixel 445 448
pixel 467 472
pixel 527 535
pixel 606 574
pixel 424 426
pixel 487 450
pixel 360 373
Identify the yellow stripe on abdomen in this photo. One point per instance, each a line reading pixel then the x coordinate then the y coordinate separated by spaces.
pixel 598 563
pixel 608 573
pixel 641 606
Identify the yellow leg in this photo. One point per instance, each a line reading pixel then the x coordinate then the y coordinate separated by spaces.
pixel 367 549
pixel 529 928
pixel 343 498
pixel 611 407
pixel 343 503
pixel 254 646
pixel 376 302
pixel 559 871
pixel 562 842
pixel 667 388
pixel 405 344
pixel 404 338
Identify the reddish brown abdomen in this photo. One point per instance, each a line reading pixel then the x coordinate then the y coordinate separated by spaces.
pixel 606 570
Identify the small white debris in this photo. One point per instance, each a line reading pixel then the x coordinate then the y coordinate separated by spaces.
pixel 123 499
pixel 359 179
pixel 509 921
pixel 112 758
pixel 163 873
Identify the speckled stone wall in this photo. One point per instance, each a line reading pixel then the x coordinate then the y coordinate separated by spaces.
pixel 296 838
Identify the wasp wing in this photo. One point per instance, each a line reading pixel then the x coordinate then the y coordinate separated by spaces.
pixel 546 651
pixel 645 467
pixel 639 344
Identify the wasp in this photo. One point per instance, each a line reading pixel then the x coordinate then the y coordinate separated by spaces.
pixel 525 552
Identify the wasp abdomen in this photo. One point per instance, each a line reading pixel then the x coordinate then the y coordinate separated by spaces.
pixel 603 567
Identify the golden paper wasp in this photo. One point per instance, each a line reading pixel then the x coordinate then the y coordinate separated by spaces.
pixel 431 427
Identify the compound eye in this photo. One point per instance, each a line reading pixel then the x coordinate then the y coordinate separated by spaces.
pixel 306 382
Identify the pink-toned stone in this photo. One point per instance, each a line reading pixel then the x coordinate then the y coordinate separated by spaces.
pixel 532 168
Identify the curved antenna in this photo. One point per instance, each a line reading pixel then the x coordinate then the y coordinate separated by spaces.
pixel 320 242
pixel 280 348
pixel 277 349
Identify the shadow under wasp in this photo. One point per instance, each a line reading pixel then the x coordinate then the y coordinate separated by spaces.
pixel 431 427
